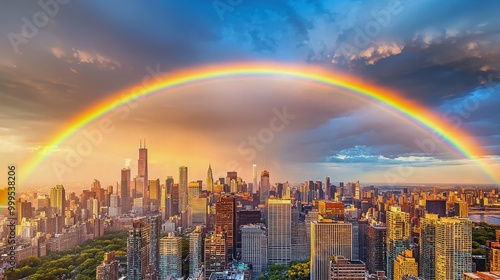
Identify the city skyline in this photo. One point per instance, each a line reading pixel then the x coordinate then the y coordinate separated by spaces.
pixel 292 116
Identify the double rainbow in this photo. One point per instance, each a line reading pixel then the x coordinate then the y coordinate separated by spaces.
pixel 458 141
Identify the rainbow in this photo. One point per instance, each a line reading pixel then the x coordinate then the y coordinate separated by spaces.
pixel 458 141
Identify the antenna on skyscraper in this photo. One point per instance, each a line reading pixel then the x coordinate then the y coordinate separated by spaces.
pixel 140 143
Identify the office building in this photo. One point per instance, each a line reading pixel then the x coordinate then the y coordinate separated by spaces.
pixel 225 222
pixel 58 200
pixel 453 248
pixel 398 236
pixel 196 248
pixel 170 257
pixel 183 188
pixel 328 238
pixel 405 264
pixel 376 248
pixel 254 247
pixel 279 222
pixel 427 246
pixel 198 211
pixel 215 254
pixel 138 250
pixel 341 268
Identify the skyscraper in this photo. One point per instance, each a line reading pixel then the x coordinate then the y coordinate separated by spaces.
pixel 138 250
pixel 398 236
pixel 154 192
pixel 210 180
pixel 143 172
pixel 427 246
pixel 215 254
pixel 225 222
pixel 125 189
pixel 328 238
pixel 58 200
pixel 193 191
pixel 254 177
pixel 155 232
pixel 196 248
pixel 453 248
pixel 265 185
pixel 183 188
pixel 198 211
pixel 170 257
pixel 279 222
pixel 405 264
pixel 254 247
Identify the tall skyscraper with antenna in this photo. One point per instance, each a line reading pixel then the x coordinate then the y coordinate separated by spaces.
pixel 143 171
pixel 265 185
pixel 210 179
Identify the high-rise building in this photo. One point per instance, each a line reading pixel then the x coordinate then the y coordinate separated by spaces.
pixel 196 239
pixel 176 200
pixel 225 222
pixel 462 209
pixel 58 200
pixel 198 211
pixel 23 210
pixel 427 246
pixel 341 268
pixel 183 188
pixel 405 264
pixel 138 250
pixel 492 256
pixel 142 165
pixel 279 222
pixel 154 191
pixel 193 191
pixel 436 206
pixel 265 185
pixel 155 232
pixel 210 180
pixel 215 254
pixel 398 236
pixel 254 247
pixel 170 257
pixel 453 248
pixel 125 190
pixel 254 177
pixel 357 192
pixel 328 238
pixel 108 270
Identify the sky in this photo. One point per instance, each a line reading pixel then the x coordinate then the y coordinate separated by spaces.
pixel 58 58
